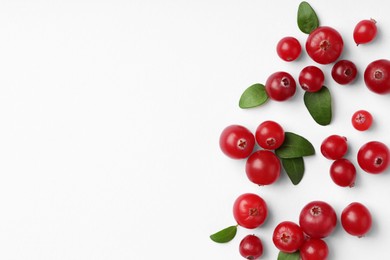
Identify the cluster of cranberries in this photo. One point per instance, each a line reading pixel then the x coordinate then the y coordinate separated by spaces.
pixel 373 157
pixel 325 45
pixel 263 166
pixel 317 219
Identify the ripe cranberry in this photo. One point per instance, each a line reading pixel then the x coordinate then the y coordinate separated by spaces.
pixel 314 249
pixel 373 157
pixel 280 86
pixel 311 79
pixel 251 247
pixel 344 72
pixel 263 167
pixel 324 45
pixel 318 219
pixel 334 147
pixel 288 237
pixel 365 31
pixel 250 210
pixel 343 173
pixel 237 142
pixel 269 135
pixel 362 120
pixel 377 76
pixel 288 48
pixel 356 219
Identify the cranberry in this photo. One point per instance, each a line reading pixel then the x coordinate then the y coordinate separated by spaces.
pixel 334 147
pixel 288 48
pixel 324 45
pixel 365 31
pixel 314 249
pixel 311 78
pixel 318 219
pixel 269 135
pixel 237 142
pixel 250 210
pixel 263 167
pixel 343 172
pixel 362 120
pixel 280 86
pixel 377 76
pixel 288 237
pixel 251 247
pixel 373 157
pixel 356 219
pixel 344 72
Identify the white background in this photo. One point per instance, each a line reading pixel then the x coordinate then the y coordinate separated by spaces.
pixel 110 117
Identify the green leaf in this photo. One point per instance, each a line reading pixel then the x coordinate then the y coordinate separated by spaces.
pixel 225 235
pixel 294 167
pixel 286 256
pixel 253 96
pixel 319 105
pixel 294 146
pixel 307 18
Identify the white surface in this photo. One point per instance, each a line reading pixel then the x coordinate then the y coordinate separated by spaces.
pixel 111 113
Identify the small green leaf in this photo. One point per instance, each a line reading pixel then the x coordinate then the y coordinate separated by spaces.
pixel 225 235
pixel 307 18
pixel 294 167
pixel 294 146
pixel 253 96
pixel 286 256
pixel 319 105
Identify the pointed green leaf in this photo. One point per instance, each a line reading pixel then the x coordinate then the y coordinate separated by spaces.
pixel 294 167
pixel 253 96
pixel 307 18
pixel 294 146
pixel 319 105
pixel 225 235
pixel 287 256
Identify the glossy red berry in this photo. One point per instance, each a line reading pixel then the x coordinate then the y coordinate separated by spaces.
pixel 269 135
pixel 356 219
pixel 318 219
pixel 377 76
pixel 344 72
pixel 311 78
pixel 288 48
pixel 250 210
pixel 373 157
pixel 362 120
pixel 263 167
pixel 280 86
pixel 343 173
pixel 324 45
pixel 251 247
pixel 334 147
pixel 237 142
pixel 314 249
pixel 365 31
pixel 288 237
